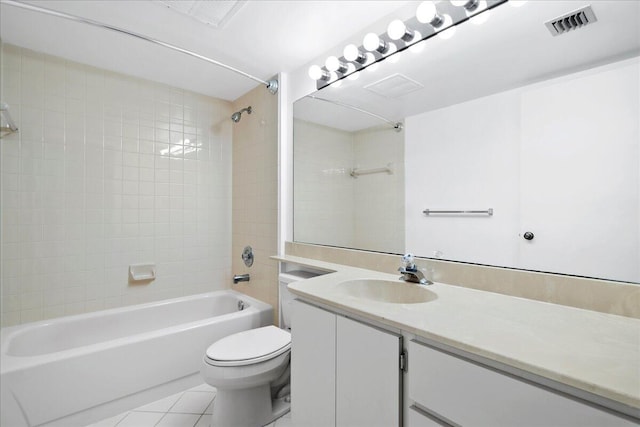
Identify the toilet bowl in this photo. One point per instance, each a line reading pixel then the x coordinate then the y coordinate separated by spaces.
pixel 250 371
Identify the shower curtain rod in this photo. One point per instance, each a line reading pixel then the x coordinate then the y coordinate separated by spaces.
pixel 397 126
pixel 272 85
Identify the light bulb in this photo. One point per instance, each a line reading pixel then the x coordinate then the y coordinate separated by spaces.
pixel 481 18
pixel 316 73
pixel 426 12
pixel 392 58
pixel 446 31
pixel 370 58
pixel 372 68
pixel 333 64
pixel 416 37
pixel 417 47
pixel 479 6
pixel 353 76
pixel 397 30
pixel 372 43
pixel 352 53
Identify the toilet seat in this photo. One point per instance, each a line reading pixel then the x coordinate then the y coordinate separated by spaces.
pixel 249 347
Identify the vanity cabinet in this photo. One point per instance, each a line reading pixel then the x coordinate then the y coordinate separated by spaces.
pixel 446 389
pixel 343 373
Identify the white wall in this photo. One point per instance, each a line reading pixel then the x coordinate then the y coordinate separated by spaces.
pixel 100 176
pixel 559 158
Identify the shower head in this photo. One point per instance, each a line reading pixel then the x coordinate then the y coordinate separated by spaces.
pixel 236 116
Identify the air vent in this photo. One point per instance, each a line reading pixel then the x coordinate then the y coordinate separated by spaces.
pixel 394 86
pixel 571 21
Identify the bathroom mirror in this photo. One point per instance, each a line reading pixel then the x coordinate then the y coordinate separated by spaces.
pixel 531 139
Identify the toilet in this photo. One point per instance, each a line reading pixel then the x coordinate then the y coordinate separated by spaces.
pixel 250 369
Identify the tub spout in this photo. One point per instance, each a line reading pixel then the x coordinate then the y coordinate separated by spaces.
pixel 241 278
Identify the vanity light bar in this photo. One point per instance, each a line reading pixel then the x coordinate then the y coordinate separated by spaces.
pixel 430 19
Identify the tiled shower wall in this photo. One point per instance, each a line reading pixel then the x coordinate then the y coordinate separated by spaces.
pixel 333 208
pixel 106 171
pixel 255 194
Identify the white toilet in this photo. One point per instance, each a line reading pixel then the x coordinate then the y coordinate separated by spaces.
pixel 250 370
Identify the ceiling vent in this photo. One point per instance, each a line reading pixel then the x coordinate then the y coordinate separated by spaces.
pixel 213 13
pixel 394 86
pixel 571 21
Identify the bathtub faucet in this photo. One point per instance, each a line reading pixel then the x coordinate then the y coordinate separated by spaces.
pixel 241 278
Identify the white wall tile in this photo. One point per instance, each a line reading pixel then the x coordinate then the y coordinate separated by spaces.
pixel 89 186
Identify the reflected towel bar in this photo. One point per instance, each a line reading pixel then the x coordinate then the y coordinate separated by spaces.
pixel 433 211
pixel 357 172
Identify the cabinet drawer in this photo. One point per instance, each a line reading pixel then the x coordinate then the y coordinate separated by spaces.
pixel 417 418
pixel 470 394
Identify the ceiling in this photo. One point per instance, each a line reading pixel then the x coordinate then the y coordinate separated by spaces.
pixel 259 37
pixel 512 49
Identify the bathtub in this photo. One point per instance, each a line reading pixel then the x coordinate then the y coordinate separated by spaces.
pixel 79 369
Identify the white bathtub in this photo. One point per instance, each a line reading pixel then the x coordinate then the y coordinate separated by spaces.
pixel 79 369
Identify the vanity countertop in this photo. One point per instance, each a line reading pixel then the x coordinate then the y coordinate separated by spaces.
pixel 588 350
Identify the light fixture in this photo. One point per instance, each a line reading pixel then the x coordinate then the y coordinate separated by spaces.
pixel 373 43
pixel 431 18
pixel 353 54
pixel 318 74
pixel 480 18
pixel 446 30
pixel 397 30
pixel 469 5
pixel 427 13
pixel 334 64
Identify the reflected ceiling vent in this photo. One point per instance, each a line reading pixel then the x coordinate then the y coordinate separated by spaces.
pixel 571 21
pixel 394 86
pixel 213 13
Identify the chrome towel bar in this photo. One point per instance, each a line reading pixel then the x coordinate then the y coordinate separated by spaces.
pixel 433 211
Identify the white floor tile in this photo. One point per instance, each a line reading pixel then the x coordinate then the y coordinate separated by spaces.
pixel 110 422
pixel 178 420
pixel 141 419
pixel 284 421
pixel 162 405
pixel 209 409
pixel 193 402
pixel 203 387
pixel 204 421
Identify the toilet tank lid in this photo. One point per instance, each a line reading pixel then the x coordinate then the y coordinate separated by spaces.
pixel 260 343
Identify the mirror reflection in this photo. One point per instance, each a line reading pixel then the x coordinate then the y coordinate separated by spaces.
pixel 542 130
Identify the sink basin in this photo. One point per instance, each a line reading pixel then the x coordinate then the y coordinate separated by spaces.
pixel 387 291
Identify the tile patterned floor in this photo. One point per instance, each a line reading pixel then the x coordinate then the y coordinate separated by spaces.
pixel 190 408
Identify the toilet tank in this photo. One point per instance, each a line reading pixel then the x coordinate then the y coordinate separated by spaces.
pixel 285 298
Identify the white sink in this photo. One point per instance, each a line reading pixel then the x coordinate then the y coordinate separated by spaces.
pixel 390 291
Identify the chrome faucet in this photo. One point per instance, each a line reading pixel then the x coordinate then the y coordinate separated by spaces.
pixel 410 272
pixel 241 278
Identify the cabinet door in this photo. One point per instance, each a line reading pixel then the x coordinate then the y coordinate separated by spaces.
pixel 313 366
pixel 469 394
pixel 368 376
